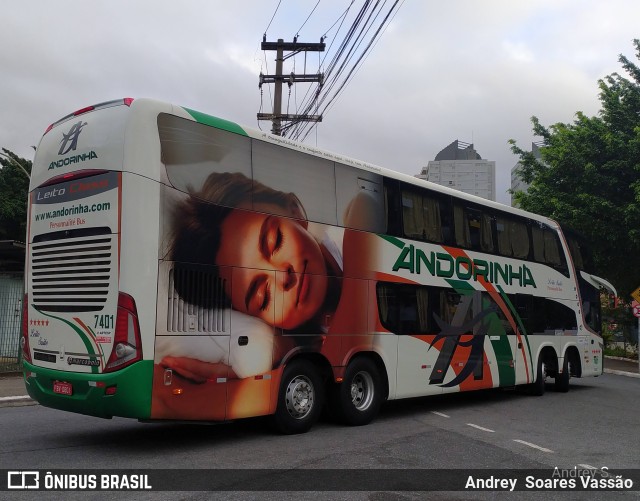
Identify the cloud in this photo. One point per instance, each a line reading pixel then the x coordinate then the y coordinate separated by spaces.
pixel 471 70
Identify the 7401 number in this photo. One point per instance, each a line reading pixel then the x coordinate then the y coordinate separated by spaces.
pixel 103 321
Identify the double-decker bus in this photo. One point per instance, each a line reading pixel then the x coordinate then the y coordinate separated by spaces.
pixel 182 267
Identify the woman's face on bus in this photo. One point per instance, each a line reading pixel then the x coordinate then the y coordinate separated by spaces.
pixel 279 272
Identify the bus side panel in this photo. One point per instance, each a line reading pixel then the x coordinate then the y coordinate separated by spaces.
pixel 139 250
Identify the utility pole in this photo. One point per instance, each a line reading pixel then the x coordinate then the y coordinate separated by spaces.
pixel 277 117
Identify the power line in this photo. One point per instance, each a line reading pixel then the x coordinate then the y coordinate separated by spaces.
pixel 312 100
pixel 272 18
pixel 331 74
pixel 342 16
pixel 364 33
pixel 349 50
pixel 305 22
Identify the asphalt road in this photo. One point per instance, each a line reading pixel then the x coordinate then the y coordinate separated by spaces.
pixel 594 425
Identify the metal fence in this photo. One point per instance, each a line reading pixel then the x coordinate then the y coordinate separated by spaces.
pixel 11 291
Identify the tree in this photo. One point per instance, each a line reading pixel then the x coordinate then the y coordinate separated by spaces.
pixel 14 189
pixel 588 177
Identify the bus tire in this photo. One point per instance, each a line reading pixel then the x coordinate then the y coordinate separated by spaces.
pixel 562 379
pixel 299 398
pixel 358 399
pixel 538 386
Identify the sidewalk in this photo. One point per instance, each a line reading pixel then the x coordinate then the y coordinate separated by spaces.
pixel 13 392
pixel 621 366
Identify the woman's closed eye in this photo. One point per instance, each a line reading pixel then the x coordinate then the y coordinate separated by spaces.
pixel 271 237
pixel 258 295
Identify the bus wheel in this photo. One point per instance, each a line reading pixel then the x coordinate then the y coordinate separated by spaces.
pixel 562 380
pixel 538 386
pixel 358 399
pixel 299 398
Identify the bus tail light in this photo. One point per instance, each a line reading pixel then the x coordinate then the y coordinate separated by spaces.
pixel 24 340
pixel 127 345
pixel 126 101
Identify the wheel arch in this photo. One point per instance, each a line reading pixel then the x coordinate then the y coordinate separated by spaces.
pixel 379 363
pixel 573 354
pixel 550 357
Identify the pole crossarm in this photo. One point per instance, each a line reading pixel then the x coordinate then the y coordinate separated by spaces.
pixel 289 117
pixel 294 46
pixel 277 117
pixel 291 78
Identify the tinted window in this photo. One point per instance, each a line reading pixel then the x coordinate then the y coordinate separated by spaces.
pixel 424 216
pixel 474 228
pixel 403 308
pixel 546 246
pixel 544 316
pixel 513 237
pixel 418 309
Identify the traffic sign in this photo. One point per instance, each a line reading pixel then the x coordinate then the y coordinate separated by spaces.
pixel 635 308
pixel 636 294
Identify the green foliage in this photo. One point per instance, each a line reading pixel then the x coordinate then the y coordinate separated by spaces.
pixel 14 189
pixel 618 321
pixel 588 177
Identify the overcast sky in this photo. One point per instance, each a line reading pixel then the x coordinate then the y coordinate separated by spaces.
pixel 473 70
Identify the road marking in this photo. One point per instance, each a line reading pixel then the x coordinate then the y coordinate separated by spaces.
pixel 480 427
pixel 439 414
pixel 532 445
pixel 588 466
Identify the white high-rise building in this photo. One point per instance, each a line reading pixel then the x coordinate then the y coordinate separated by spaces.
pixel 459 166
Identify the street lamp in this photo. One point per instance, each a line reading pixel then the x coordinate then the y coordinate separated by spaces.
pixel 16 163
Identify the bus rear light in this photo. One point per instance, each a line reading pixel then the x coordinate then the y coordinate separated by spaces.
pixel 24 340
pixel 108 104
pixel 111 390
pixel 83 111
pixel 127 346
pixel 70 176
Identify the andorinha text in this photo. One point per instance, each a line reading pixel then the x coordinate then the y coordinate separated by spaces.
pixel 443 265
pixel 73 160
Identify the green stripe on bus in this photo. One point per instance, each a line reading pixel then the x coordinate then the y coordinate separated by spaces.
pixel 501 347
pixel 216 122
pixel 393 240
pixel 514 312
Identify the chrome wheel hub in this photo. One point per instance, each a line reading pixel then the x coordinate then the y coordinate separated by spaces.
pixel 300 397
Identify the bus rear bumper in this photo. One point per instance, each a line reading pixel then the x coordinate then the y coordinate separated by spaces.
pixel 125 393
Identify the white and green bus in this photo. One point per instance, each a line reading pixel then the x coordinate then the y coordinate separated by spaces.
pixel 182 267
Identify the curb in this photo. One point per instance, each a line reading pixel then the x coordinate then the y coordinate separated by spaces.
pixel 17 401
pixel 622 373
pixel 611 357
